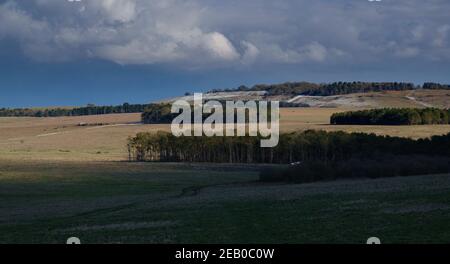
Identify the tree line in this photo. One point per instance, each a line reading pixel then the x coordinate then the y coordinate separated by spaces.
pixel 80 111
pixel 436 86
pixel 161 113
pixel 292 147
pixel 304 156
pixel 335 88
pixel 393 116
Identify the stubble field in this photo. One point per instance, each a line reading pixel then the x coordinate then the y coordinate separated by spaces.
pixel 104 137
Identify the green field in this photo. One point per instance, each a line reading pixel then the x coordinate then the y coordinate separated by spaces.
pixel 118 202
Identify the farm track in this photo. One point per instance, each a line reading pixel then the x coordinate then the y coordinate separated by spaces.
pixel 89 128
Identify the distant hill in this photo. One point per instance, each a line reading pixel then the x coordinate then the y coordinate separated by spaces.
pixel 336 88
pixel 415 98
pixel 419 98
pixel 290 94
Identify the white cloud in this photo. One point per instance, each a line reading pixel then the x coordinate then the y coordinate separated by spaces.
pixel 17 23
pixel 251 52
pixel 220 47
pixel 119 10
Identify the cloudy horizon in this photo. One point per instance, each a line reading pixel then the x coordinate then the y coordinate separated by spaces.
pixel 161 48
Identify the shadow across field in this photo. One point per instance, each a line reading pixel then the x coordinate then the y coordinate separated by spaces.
pixel 118 202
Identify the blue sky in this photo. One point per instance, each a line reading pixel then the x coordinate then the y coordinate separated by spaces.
pixel 58 53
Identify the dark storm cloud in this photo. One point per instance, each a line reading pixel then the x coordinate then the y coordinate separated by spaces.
pixel 231 33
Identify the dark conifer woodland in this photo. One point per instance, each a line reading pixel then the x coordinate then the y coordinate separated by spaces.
pixel 393 116
pixel 293 147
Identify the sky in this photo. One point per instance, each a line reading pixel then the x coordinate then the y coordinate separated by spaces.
pixel 71 53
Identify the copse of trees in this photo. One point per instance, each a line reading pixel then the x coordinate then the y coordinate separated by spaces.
pixel 161 113
pixel 288 88
pixel 79 111
pixel 338 88
pixel 393 116
pixel 435 86
pixel 292 147
pixel 158 114
pixel 304 157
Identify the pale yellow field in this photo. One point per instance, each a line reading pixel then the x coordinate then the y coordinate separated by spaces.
pixel 298 119
pixel 62 138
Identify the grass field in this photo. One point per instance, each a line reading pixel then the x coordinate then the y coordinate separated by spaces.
pixel 62 138
pixel 113 202
pixel 59 179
